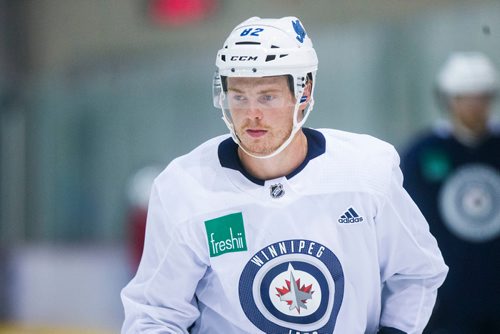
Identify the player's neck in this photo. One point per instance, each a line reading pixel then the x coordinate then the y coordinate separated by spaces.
pixel 280 165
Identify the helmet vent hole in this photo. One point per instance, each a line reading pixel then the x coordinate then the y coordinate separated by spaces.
pixel 281 56
pixel 223 57
pixel 274 47
pixel 247 43
pixel 270 57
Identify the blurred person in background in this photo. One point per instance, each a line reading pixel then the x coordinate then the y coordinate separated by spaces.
pixel 278 228
pixel 452 173
pixel 138 191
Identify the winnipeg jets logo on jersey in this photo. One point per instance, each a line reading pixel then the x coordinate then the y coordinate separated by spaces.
pixel 292 286
pixel 293 294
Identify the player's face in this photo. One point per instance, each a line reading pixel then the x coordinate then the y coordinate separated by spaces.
pixel 261 110
pixel 472 111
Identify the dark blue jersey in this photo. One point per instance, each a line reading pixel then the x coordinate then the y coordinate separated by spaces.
pixel 457 188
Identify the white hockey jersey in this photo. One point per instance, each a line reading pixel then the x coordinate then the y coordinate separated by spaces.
pixel 337 246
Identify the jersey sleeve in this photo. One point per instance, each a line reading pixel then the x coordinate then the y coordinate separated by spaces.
pixel 411 265
pixel 160 298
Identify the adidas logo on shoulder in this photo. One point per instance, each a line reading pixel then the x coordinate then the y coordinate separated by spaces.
pixel 349 217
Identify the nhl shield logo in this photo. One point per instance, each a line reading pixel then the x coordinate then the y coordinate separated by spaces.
pixel 276 190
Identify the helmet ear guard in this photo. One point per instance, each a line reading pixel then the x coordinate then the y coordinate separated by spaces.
pixel 217 90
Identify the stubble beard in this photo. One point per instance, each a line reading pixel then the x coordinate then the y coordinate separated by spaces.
pixel 270 142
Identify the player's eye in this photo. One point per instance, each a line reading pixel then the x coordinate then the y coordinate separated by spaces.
pixel 267 98
pixel 239 98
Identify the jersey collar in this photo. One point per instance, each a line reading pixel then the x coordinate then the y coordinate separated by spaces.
pixel 228 154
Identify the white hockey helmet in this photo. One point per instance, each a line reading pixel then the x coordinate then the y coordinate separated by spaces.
pixel 467 73
pixel 267 47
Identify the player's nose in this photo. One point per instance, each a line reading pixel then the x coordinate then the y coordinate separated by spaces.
pixel 254 110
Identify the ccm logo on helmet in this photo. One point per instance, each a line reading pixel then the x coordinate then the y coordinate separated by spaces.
pixel 244 58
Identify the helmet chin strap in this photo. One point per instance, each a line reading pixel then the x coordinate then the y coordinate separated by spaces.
pixel 295 128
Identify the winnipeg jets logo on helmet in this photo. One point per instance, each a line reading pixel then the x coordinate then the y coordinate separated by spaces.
pixel 267 47
pixel 299 29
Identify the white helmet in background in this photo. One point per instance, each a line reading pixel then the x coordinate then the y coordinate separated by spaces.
pixel 467 73
pixel 267 47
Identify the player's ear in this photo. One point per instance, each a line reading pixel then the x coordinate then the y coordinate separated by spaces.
pixel 306 95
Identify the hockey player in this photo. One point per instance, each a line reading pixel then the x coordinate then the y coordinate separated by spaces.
pixel 452 173
pixel 280 228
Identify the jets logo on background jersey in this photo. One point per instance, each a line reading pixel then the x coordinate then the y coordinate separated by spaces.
pixel 292 286
pixel 468 202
